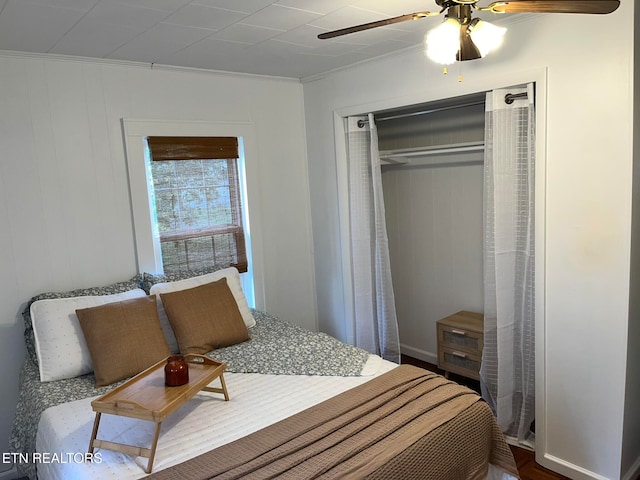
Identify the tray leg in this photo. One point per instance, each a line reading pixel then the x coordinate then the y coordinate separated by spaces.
pixel 222 391
pixel 94 433
pixel 152 454
pixel 224 388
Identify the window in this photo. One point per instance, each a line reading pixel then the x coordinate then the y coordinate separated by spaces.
pixel 148 252
pixel 194 190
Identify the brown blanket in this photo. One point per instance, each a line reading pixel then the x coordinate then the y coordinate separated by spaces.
pixel 408 423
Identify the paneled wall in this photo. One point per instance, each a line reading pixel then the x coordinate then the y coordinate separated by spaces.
pixel 585 204
pixel 65 210
pixel 434 223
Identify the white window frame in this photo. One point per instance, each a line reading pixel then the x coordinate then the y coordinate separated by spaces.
pixel 148 255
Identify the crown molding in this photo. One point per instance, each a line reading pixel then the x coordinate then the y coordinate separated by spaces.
pixel 141 65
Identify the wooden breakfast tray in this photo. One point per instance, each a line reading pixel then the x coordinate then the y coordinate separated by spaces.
pixel 146 397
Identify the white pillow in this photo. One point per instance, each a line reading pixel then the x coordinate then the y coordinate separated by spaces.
pixel 60 344
pixel 233 280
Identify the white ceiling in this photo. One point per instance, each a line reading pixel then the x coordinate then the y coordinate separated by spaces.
pixel 251 36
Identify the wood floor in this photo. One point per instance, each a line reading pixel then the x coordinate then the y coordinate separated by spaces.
pixel 529 469
pixel 525 459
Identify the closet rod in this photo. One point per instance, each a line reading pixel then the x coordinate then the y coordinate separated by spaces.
pixel 362 123
pixel 509 98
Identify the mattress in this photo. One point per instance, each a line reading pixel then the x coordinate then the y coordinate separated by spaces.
pixel 206 422
pixel 283 371
pixel 203 423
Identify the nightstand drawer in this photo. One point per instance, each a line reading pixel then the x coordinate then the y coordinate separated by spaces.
pixel 460 338
pixel 460 343
pixel 462 363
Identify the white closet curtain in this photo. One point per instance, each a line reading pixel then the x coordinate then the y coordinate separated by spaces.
pixel 374 314
pixel 508 359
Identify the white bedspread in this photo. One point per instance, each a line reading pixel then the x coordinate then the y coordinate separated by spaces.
pixel 203 423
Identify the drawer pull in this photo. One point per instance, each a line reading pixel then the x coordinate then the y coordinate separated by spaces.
pixel 459 354
pixel 459 332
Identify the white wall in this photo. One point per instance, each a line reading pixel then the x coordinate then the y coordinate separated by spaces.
pixel 64 201
pixel 434 224
pixel 586 207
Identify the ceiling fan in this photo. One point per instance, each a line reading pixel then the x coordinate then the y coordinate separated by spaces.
pixel 461 37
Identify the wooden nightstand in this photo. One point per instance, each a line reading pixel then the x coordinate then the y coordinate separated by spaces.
pixel 460 341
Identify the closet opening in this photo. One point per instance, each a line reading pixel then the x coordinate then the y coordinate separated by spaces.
pixel 457 180
pixel 432 174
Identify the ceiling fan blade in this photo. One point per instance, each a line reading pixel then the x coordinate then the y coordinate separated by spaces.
pixel 554 6
pixel 379 23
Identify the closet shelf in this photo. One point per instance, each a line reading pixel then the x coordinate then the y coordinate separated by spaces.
pixel 438 154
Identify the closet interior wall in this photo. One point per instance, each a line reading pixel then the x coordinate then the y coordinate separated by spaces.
pixel 434 208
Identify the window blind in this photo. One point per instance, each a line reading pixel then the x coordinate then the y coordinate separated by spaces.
pixel 192 148
pixel 196 194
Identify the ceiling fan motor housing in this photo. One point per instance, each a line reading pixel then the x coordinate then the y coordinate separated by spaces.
pixel 452 3
pixel 461 13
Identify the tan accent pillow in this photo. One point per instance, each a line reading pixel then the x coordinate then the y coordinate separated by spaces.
pixel 124 338
pixel 205 317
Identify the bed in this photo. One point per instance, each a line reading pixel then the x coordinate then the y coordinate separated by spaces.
pixel 302 404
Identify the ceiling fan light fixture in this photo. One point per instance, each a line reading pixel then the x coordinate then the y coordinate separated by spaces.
pixel 443 42
pixel 486 36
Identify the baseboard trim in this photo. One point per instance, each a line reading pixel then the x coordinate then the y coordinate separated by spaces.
pixel 633 472
pixel 419 354
pixel 568 469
